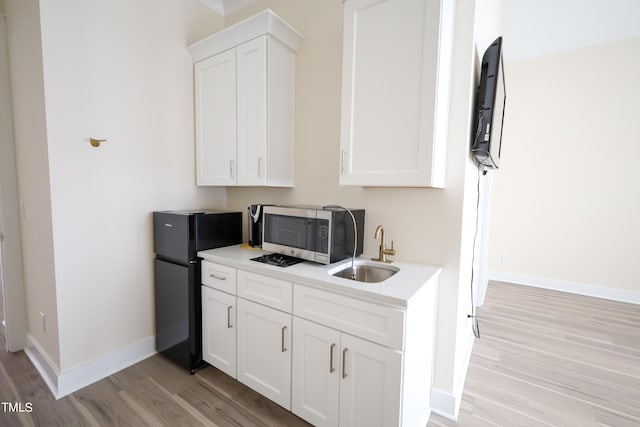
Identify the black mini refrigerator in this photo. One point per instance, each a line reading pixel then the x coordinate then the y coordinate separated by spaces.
pixel 177 238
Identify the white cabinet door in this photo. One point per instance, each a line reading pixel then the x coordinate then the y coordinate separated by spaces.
pixel 264 351
pixel 252 111
pixel 316 373
pixel 219 330
pixel 395 92
pixel 215 99
pixel 370 385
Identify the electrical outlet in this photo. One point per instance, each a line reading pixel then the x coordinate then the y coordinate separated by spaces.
pixel 43 322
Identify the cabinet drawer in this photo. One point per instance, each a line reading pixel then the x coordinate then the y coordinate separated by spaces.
pixel 219 277
pixel 265 290
pixel 373 322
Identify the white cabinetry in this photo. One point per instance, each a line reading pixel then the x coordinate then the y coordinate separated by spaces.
pixel 219 316
pixel 395 92
pixel 244 103
pixel 264 351
pixel 370 384
pixel 218 330
pixel 247 328
pixel 216 135
pixel 315 386
pixel 332 359
pixel 342 380
pixel 381 355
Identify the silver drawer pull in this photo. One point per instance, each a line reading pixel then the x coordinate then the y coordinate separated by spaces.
pixel 344 363
pixel 284 328
pixel 215 276
pixel 229 325
pixel 331 368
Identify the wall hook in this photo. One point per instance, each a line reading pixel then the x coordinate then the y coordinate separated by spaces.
pixel 96 142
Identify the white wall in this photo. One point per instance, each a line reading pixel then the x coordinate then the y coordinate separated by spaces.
pixel 566 204
pixel 426 224
pixel 545 27
pixel 488 26
pixel 117 70
pixel 32 163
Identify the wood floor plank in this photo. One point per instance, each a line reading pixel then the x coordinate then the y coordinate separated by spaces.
pixel 157 401
pixel 106 406
pixel 215 406
pixel 588 325
pixel 46 410
pixel 617 362
pixel 552 358
pixel 600 375
pixel 527 296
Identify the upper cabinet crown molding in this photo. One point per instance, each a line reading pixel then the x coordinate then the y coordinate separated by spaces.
pixel 396 77
pixel 266 22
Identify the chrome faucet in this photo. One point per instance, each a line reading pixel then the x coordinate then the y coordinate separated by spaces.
pixel 384 251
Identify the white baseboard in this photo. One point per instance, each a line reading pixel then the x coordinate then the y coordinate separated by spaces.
pixel 447 404
pixel 43 364
pixel 585 289
pixel 64 383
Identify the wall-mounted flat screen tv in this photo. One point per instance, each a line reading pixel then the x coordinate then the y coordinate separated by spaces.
pixel 490 103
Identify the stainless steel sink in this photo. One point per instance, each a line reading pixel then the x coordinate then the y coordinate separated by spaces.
pixel 367 272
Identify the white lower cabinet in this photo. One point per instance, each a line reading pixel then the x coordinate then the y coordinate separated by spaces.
pixel 316 373
pixel 331 359
pixel 370 384
pixel 219 330
pixel 341 380
pixel 264 351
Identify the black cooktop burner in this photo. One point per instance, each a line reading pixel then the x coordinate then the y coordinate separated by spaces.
pixel 277 259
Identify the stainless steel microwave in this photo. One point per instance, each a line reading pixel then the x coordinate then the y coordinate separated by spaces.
pixel 320 234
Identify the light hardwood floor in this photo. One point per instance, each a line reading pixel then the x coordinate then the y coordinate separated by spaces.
pixel 551 358
pixel 544 358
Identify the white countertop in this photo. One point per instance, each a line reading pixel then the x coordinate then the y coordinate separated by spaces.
pixel 397 290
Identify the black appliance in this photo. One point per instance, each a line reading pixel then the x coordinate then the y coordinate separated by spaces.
pixel 278 260
pixel 490 105
pixel 323 234
pixel 254 216
pixel 178 236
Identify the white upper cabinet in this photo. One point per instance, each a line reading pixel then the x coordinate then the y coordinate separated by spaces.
pixel 244 99
pixel 216 136
pixel 395 92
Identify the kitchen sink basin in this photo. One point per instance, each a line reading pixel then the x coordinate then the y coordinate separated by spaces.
pixel 367 272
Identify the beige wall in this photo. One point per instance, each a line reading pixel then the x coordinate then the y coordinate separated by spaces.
pixel 566 201
pixel 32 163
pixel 426 224
pixel 117 70
pixel 11 242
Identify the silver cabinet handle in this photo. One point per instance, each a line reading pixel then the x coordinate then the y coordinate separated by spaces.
pixel 344 362
pixel 215 276
pixel 331 368
pixel 229 325
pixel 342 153
pixel 284 328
